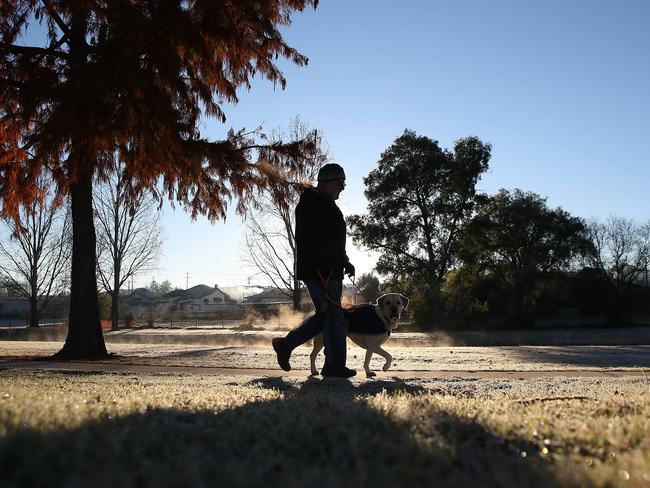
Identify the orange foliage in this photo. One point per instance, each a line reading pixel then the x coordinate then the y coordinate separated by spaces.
pixel 131 80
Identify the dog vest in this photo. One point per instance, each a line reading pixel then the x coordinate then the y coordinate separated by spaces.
pixel 364 320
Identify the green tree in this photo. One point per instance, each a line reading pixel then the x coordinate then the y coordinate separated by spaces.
pixel 418 198
pixel 160 288
pixel 132 81
pixel 369 286
pixel 516 239
pixel 468 297
pixel 104 306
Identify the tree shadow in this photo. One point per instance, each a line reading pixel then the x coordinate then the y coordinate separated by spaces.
pixel 592 356
pixel 338 386
pixel 321 433
pixel 196 353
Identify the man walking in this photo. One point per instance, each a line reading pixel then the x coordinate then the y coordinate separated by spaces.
pixel 321 262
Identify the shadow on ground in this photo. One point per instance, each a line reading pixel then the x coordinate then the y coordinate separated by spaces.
pixel 321 433
pixel 618 335
pixel 581 356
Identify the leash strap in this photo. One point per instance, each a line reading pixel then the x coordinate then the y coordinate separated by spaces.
pixel 354 296
pixel 328 298
pixel 354 283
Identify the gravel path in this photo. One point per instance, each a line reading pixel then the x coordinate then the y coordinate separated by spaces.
pixel 110 367
pixel 503 361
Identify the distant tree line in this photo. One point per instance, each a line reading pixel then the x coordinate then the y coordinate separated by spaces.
pixel 470 259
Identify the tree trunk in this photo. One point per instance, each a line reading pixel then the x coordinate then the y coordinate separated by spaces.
pixel 114 308
pixel 297 302
pixel 33 279
pixel 521 312
pixel 85 339
pixel 434 298
pixel 117 257
pixel 33 311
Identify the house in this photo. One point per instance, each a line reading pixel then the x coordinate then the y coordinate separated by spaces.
pixel 140 301
pixel 270 295
pixel 199 298
pixel 51 309
pixel 14 307
pixel 140 297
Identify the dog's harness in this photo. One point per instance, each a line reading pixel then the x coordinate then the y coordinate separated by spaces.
pixel 364 320
pixel 350 312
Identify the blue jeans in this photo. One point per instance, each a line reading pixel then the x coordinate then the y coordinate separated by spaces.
pixel 329 322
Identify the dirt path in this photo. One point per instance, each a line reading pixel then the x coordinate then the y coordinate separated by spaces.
pixel 107 367
pixel 406 359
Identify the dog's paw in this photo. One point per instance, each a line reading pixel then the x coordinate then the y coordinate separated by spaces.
pixel 314 372
pixel 370 374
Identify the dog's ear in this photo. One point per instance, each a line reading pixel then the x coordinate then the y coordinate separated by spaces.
pixel 405 301
pixel 380 300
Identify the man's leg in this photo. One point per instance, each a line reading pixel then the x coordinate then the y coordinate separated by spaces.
pixel 313 324
pixel 334 335
pixel 327 319
pixel 308 328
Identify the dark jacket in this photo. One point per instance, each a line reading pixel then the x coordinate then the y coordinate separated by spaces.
pixel 320 237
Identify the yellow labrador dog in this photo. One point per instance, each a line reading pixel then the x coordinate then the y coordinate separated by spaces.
pixel 369 326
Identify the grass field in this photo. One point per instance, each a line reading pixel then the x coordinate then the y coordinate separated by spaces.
pixel 91 429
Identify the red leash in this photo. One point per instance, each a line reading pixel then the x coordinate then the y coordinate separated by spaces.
pixel 323 307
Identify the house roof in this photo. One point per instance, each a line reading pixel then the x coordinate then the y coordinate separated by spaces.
pixel 143 292
pixel 269 293
pixel 140 297
pixel 198 291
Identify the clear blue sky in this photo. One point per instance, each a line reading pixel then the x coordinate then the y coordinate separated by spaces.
pixel 560 88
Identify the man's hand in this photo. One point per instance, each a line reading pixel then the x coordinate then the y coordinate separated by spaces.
pixel 349 269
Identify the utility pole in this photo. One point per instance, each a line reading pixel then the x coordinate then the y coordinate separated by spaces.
pixel 187 280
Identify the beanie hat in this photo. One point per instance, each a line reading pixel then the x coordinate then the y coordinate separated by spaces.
pixel 331 171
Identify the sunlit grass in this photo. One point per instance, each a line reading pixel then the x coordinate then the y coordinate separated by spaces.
pixel 88 429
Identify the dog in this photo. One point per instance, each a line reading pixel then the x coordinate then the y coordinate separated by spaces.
pixel 369 327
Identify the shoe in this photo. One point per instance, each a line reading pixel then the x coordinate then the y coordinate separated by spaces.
pixel 283 352
pixel 337 371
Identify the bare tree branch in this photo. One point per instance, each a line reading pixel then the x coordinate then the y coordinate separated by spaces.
pixel 129 234
pixel 622 251
pixel 57 19
pixel 37 253
pixel 32 51
pixel 270 238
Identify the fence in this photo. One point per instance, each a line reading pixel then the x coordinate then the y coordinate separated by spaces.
pixel 47 322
